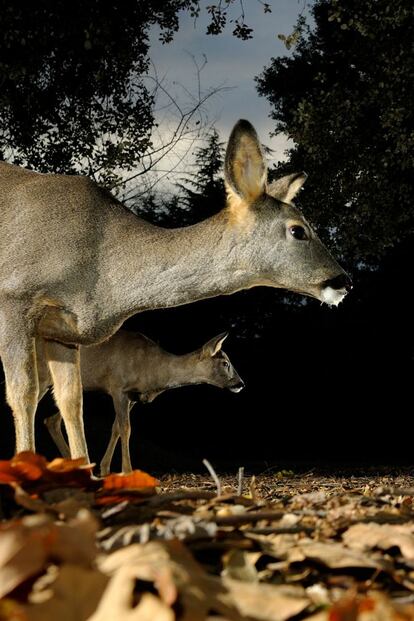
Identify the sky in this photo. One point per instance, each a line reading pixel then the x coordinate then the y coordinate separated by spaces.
pixel 231 63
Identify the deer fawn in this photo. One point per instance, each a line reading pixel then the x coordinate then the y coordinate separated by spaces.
pixel 75 264
pixel 130 367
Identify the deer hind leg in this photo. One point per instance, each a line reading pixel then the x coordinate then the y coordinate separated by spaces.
pixel 53 423
pixel 64 366
pixel 105 466
pixel 18 354
pixel 121 428
pixel 123 409
pixel 54 427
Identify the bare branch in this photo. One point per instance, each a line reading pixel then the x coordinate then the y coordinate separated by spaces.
pixel 179 124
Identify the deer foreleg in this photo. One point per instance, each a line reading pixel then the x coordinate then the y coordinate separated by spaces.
pixel 18 354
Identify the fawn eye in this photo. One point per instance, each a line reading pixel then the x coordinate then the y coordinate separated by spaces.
pixel 226 364
pixel 298 232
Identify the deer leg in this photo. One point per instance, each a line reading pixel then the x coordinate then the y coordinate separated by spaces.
pixel 105 466
pixel 122 409
pixel 43 373
pixel 64 366
pixel 53 423
pixel 54 427
pixel 18 354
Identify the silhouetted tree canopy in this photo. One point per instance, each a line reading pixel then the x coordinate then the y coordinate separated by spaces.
pixel 72 94
pixel 202 193
pixel 345 98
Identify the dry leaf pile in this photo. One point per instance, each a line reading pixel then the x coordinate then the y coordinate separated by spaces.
pixel 77 548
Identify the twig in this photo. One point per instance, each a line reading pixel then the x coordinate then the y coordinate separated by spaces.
pixel 190 494
pixel 280 530
pixel 240 481
pixel 252 489
pixel 394 491
pixel 213 475
pixel 247 517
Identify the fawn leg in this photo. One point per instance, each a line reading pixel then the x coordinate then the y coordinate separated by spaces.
pixel 105 466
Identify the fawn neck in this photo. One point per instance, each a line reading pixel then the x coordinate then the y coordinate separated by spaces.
pixel 171 371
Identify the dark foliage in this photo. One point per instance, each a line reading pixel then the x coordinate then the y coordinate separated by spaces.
pixel 345 98
pixel 72 96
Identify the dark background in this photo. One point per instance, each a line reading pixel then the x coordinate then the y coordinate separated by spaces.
pixel 324 386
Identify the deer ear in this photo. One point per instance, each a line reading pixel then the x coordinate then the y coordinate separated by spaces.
pixel 213 346
pixel 286 188
pixel 244 169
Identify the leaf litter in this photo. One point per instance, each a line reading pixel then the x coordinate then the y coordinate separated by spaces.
pixel 128 547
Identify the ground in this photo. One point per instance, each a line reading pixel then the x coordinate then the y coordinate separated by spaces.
pixel 273 547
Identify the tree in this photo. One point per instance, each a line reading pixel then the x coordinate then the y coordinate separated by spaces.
pixel 345 98
pixel 202 193
pixel 73 94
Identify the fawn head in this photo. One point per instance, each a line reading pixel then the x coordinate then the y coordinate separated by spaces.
pixel 214 366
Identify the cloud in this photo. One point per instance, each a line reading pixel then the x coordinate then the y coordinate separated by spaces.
pixel 230 63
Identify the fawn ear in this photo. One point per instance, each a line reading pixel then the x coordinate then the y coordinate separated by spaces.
pixel 244 168
pixel 286 188
pixel 213 346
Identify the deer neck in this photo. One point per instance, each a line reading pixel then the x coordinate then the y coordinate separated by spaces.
pixel 159 268
pixel 170 371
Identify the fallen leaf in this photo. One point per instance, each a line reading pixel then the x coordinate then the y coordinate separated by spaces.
pixel 240 565
pixel 31 470
pixel 136 480
pixel 10 610
pixel 28 545
pixel 265 602
pixel 117 602
pixel 332 554
pixel 384 536
pixel 277 546
pixel 198 593
pixel 25 466
pixel 74 596
pixel 63 464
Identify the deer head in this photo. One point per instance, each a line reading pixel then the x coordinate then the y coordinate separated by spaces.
pixel 284 249
pixel 214 366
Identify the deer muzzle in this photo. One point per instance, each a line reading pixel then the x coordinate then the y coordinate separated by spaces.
pixel 335 289
pixel 237 387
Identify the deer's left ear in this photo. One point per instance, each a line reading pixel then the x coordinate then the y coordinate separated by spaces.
pixel 213 346
pixel 286 188
pixel 245 168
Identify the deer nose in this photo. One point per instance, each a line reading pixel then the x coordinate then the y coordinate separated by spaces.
pixel 237 387
pixel 342 281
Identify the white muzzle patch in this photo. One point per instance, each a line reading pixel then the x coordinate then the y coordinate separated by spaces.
pixel 331 296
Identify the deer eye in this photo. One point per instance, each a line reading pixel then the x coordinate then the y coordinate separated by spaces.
pixel 298 232
pixel 226 364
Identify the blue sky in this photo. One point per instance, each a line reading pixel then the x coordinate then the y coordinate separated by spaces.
pixel 230 62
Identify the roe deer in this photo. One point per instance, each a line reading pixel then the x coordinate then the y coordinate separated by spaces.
pixel 75 264
pixel 130 367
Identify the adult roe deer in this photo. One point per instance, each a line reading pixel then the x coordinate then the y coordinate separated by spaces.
pixel 75 263
pixel 130 367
